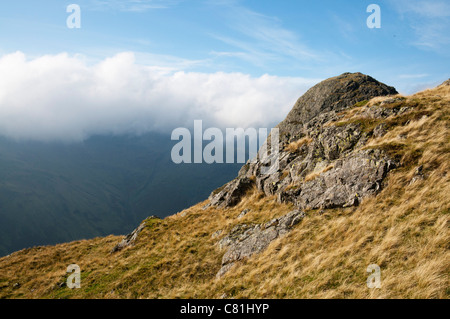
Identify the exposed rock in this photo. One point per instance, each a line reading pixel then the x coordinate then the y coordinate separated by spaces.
pixel 322 160
pixel 331 143
pixel 445 83
pixel 380 130
pixel 391 100
pixel 130 239
pixel 245 240
pixel 333 94
pixel 384 109
pixel 350 180
pixel 243 213
pixel 217 233
pixel 418 175
pixel 230 194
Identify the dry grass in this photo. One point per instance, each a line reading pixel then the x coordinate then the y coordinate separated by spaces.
pixel 173 258
pixel 404 229
pixel 294 146
pixel 313 175
pixel 380 99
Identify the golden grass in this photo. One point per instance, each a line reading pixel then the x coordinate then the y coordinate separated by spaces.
pixel 379 99
pixel 294 146
pixel 171 259
pixel 404 229
pixel 313 175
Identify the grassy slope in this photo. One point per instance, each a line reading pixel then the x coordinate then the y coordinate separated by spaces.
pixel 404 229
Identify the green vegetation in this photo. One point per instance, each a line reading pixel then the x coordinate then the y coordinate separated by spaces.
pixel 361 103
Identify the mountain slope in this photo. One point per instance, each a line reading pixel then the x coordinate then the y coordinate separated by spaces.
pixel 402 225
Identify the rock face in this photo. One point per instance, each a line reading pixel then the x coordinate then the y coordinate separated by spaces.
pixel 245 240
pixel 351 178
pixel 321 164
pixel 322 160
pixel 230 194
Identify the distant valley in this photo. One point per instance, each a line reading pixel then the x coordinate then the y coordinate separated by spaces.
pixel 55 192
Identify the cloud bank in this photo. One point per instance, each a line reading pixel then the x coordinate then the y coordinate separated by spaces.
pixel 62 98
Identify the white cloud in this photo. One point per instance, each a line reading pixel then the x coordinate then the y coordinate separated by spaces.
pixel 60 97
pixel 430 9
pixel 261 39
pixel 429 20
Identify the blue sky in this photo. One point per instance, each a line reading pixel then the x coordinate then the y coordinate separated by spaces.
pixel 289 39
pixel 286 38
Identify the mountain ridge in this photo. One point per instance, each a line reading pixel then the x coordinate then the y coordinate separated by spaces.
pixel 287 235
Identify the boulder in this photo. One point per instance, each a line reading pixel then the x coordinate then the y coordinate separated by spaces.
pixel 230 194
pixel 245 240
pixel 333 94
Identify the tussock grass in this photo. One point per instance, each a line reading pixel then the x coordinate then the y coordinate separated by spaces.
pixel 313 175
pixel 294 146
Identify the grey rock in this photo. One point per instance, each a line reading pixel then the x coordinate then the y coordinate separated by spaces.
pixel 217 233
pixel 130 239
pixel 245 240
pixel 243 213
pixel 237 234
pixel 418 175
pixel 445 83
pixel 230 194
pixel 346 184
pixel 331 169
pixel 310 117
pixel 333 94
pixel 380 130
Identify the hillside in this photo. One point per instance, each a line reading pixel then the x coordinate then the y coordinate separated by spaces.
pixel 363 179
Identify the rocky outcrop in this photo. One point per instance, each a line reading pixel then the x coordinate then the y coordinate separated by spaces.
pixel 348 180
pixel 333 94
pixel 130 239
pixel 321 162
pixel 445 83
pixel 245 240
pixel 243 213
pixel 231 193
